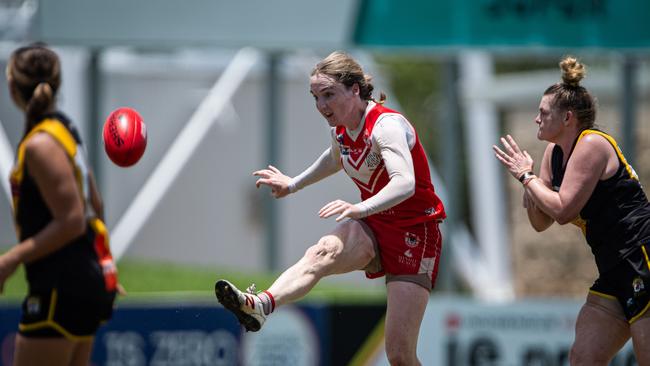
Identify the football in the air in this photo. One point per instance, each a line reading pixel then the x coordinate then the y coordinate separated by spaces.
pixel 125 136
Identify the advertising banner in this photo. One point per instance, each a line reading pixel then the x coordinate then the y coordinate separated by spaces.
pixel 465 332
pixel 196 335
pixel 455 332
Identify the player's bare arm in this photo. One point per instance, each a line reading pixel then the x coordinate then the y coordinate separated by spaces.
pixel 539 220
pixel 54 176
pixel 585 167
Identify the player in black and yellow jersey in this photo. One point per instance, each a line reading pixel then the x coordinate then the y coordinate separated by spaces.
pixel 57 209
pixel 585 179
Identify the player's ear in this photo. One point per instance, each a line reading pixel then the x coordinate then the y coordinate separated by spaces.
pixel 567 116
pixel 356 89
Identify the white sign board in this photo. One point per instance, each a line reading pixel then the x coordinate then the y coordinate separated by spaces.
pixel 459 332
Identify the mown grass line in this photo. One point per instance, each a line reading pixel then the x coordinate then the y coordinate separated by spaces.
pixel 162 282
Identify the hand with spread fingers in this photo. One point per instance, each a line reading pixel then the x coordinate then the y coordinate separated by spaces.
pixel 516 161
pixel 345 209
pixel 273 178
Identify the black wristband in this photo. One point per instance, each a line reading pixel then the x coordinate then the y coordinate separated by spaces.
pixel 525 176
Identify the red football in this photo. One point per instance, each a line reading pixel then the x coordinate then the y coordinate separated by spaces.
pixel 125 136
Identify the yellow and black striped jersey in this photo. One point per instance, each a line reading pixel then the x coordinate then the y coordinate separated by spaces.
pixel 616 218
pixel 86 261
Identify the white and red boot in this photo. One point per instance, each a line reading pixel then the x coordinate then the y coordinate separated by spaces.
pixel 250 308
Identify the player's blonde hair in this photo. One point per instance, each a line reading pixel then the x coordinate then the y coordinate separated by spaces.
pixel 343 68
pixel 570 95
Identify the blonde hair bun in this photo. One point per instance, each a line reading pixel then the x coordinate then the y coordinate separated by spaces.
pixel 572 71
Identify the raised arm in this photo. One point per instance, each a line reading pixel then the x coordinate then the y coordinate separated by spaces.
pixel 539 220
pixel 585 167
pixel 328 163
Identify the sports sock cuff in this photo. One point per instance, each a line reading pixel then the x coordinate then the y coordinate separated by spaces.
pixel 270 298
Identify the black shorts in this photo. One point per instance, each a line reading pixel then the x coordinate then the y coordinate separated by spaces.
pixel 628 283
pixel 52 313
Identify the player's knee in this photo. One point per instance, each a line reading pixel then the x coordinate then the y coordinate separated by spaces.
pixel 399 350
pixel 581 355
pixel 326 250
pixel 399 357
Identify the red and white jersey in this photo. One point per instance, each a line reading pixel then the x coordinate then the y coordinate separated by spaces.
pixel 385 134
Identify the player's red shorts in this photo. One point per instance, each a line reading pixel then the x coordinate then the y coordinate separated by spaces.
pixel 407 253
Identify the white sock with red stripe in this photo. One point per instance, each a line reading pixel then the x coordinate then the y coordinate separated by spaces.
pixel 268 302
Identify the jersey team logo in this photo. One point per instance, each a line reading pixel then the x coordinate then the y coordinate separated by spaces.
pixel 345 150
pixel 637 285
pixel 33 305
pixel 411 240
pixel 430 211
pixel 373 160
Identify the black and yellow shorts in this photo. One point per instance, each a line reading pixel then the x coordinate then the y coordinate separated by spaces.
pixel 51 314
pixel 628 283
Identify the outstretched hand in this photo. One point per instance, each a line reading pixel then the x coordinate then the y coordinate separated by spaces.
pixel 516 161
pixel 273 177
pixel 344 209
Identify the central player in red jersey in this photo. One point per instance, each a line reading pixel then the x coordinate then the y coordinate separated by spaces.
pixel 392 231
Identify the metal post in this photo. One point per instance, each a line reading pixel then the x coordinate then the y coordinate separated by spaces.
pixel 628 105
pixel 450 152
pixel 486 186
pixel 273 143
pixel 94 118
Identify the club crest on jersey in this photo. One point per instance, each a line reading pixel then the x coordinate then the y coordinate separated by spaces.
pixel 373 159
pixel 638 285
pixel 430 211
pixel 411 240
pixel 345 150
pixel 33 305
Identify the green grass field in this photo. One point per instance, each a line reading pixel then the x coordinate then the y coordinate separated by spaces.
pixel 155 281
